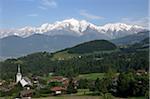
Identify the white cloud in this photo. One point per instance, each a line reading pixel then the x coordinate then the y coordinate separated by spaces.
pixel 32 15
pixel 45 4
pixel 137 21
pixel 89 15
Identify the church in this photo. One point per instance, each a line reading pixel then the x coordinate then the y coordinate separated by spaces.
pixel 24 81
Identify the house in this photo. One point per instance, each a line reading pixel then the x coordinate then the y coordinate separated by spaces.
pixel 57 90
pixel 63 80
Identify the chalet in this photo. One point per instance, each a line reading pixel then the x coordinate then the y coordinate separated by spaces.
pixel 63 80
pixel 58 90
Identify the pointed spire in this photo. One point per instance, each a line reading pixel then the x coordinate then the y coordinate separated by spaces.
pixel 18 68
pixel 18 76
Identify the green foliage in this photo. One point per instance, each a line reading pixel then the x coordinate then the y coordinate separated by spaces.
pixel 40 64
pixel 147 94
pixel 107 96
pixel 91 76
pixel 37 63
pixel 101 86
pixel 83 84
pixel 71 87
pixel 53 84
pixel 97 85
pixel 124 84
pixel 93 46
pixel 42 81
pixel 43 92
pixel 130 84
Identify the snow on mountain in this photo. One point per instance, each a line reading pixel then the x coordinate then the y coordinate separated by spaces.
pixel 116 30
pixel 74 27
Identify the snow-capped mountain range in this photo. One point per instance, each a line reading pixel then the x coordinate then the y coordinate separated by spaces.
pixel 75 27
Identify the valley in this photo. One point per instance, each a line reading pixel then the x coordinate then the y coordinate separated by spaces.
pixel 88 63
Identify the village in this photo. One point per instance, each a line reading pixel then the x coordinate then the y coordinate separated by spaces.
pixel 26 88
pixel 57 85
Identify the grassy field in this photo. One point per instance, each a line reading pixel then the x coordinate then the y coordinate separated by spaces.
pixel 83 97
pixel 76 97
pixel 136 98
pixel 72 97
pixel 91 76
pixel 81 94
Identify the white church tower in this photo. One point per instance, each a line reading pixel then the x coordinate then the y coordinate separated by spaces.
pixel 18 76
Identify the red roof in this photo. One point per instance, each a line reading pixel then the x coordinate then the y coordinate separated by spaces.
pixel 57 88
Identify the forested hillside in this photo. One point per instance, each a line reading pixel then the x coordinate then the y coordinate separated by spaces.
pixel 43 63
pixel 93 46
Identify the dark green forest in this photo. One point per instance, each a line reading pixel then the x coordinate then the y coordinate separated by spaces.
pixel 92 46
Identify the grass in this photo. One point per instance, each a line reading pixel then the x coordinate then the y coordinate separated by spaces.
pixel 6 97
pixel 71 97
pixel 82 92
pixel 63 56
pixel 76 97
pixel 136 98
pixel 91 76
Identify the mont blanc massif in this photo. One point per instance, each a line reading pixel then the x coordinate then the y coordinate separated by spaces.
pixel 64 34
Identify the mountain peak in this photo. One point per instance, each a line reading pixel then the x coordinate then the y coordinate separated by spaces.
pixel 74 27
pixel 70 20
pixel 120 27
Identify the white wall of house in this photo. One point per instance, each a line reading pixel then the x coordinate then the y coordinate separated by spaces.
pixel 57 92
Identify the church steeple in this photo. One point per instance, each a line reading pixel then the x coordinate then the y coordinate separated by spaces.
pixel 18 68
pixel 18 76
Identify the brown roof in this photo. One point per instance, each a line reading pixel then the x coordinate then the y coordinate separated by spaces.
pixel 57 88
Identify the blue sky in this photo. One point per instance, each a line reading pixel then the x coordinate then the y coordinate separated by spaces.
pixel 20 13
